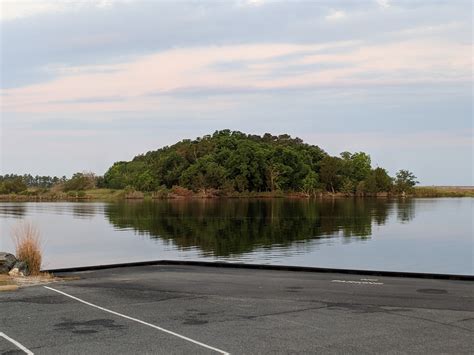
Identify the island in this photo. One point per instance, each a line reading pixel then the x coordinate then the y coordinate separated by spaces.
pixel 228 164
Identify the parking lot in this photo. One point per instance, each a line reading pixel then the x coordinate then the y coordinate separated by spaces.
pixel 195 309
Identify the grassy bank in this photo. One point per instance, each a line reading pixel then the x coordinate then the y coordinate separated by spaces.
pixel 181 193
pixel 443 191
pixel 46 195
pixel 116 195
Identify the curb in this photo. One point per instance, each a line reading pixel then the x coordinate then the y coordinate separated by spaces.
pixel 268 267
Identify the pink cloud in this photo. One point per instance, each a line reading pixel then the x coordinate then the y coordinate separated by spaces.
pixel 363 65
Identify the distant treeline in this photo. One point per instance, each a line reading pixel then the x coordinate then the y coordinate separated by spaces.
pixel 228 163
pixel 15 184
pixel 11 183
pixel 232 161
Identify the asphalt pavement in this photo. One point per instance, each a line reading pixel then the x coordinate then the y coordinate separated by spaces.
pixel 179 309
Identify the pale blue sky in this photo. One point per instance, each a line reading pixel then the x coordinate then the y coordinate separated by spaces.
pixel 87 83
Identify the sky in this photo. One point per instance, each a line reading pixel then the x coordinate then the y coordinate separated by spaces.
pixel 87 83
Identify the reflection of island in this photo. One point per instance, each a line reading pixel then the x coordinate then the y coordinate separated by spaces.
pixel 230 227
pixel 84 210
pixel 14 210
pixel 405 210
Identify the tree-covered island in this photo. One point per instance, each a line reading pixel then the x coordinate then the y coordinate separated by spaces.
pixel 225 164
pixel 232 161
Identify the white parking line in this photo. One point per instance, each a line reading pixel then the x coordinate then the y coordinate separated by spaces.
pixel 17 344
pixel 139 321
pixel 358 282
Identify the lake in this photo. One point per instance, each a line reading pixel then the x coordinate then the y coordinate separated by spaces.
pixel 417 235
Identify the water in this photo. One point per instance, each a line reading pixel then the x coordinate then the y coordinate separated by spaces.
pixel 417 235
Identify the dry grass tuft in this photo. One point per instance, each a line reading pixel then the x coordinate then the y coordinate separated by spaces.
pixel 28 246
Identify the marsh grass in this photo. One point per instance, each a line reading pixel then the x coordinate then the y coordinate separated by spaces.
pixel 27 241
pixel 443 191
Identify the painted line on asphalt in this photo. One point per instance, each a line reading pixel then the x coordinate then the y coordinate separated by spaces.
pixel 139 321
pixel 358 282
pixel 17 344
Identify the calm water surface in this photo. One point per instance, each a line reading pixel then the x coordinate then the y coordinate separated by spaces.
pixel 418 235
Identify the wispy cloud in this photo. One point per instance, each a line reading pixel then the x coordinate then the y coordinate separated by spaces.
pixel 336 15
pixel 385 4
pixel 249 67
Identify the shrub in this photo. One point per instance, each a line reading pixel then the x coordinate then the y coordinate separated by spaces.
pixel 131 193
pixel 28 246
pixel 347 186
pixel 162 192
pixel 181 191
pixel 79 182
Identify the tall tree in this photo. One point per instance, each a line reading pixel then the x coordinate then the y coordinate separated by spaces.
pixel 405 181
pixel 330 172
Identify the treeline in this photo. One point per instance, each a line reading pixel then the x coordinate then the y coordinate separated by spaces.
pixel 12 183
pixel 16 184
pixel 232 161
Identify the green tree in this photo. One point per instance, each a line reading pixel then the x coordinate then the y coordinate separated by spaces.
pixel 204 174
pixel 310 183
pixel 13 185
pixel 330 172
pixel 80 182
pixel 405 181
pixel 356 167
pixel 116 176
pixel 383 182
pixel 145 182
pixel 347 186
pixel 378 181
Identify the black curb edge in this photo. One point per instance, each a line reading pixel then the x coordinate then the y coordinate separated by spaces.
pixel 267 267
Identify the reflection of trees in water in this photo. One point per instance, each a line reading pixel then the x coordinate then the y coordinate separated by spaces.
pixel 84 210
pixel 228 227
pixel 12 210
pixel 405 210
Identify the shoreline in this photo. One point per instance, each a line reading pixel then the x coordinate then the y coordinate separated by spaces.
pixel 123 195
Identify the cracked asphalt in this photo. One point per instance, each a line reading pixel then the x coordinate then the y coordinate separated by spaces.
pixel 238 311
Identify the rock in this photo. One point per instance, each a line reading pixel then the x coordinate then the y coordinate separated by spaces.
pixel 19 269
pixel 15 272
pixel 7 261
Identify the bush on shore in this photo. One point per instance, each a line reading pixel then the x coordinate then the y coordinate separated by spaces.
pixel 28 246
